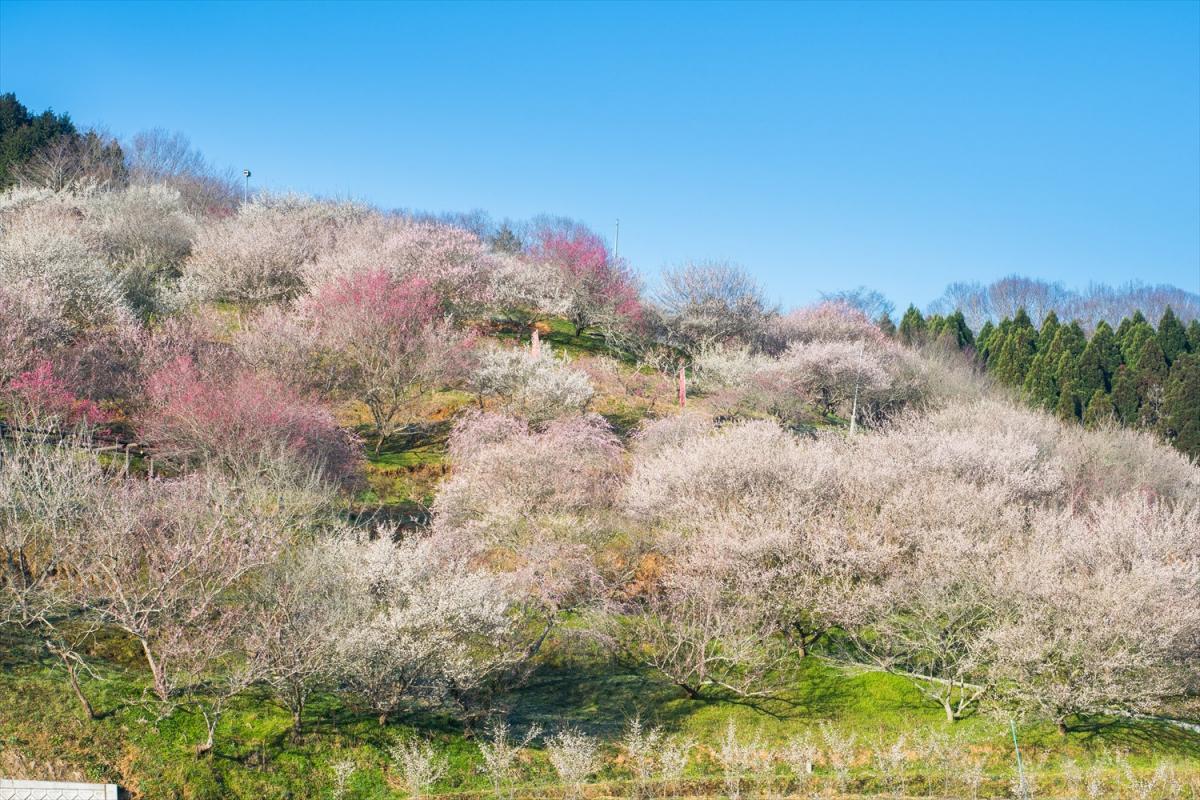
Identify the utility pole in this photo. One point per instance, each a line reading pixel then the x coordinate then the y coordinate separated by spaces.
pixel 246 189
pixel 617 241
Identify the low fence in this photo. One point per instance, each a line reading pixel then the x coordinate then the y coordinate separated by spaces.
pixel 58 790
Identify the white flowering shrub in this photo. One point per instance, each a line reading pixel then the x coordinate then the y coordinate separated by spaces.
pixel 420 765
pixel 260 254
pixel 145 233
pixel 429 622
pixel 45 251
pixel 537 387
pixel 522 290
pixel 575 757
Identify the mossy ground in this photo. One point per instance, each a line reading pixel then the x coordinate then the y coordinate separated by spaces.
pixel 42 730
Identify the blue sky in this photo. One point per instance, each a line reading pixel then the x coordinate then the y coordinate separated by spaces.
pixel 901 146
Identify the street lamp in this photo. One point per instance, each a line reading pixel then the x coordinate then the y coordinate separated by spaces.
pixel 246 190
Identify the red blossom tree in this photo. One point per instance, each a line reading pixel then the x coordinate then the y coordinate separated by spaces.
pixel 604 291
pixel 228 420
pixel 46 399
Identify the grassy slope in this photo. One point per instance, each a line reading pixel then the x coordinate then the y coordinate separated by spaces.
pixel 42 731
pixel 256 757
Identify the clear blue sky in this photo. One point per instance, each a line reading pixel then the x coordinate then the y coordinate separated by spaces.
pixel 822 146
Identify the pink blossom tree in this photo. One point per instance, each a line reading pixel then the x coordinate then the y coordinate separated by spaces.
pixel 233 419
pixel 389 340
pixel 45 400
pixel 604 292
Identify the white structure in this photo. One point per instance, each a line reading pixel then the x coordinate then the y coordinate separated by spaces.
pixel 56 790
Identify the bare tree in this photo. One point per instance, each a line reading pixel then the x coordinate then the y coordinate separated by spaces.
pixel 159 156
pixel 707 303
pixel 92 160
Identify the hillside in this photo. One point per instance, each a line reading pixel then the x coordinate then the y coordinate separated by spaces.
pixel 300 498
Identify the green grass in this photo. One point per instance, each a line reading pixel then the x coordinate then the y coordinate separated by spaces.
pixel 255 756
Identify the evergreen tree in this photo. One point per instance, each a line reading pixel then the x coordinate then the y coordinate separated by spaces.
pixel 983 339
pixel 912 326
pixel 957 323
pixel 886 325
pixel 1193 331
pixel 506 240
pixel 1150 373
pixel 1098 362
pixel 22 134
pixel 1125 396
pixel 933 327
pixel 1066 372
pixel 1099 410
pixel 1048 331
pixel 1015 354
pixel 1067 407
pixel 1181 405
pixel 1172 336
pixel 1040 385
pixel 1068 340
pixel 1123 330
pixel 1135 338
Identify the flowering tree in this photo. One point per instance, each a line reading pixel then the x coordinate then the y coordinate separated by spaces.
pixel 604 293
pixel 453 264
pixel 298 619
pixel 258 255
pixel 432 626
pixel 234 420
pixel 30 326
pixel 536 386
pixel 44 400
pixel 389 341
pixel 165 562
pixel 1107 612
pixel 48 494
pixel 522 290
pixel 144 233
pixel 45 252
pixel 709 303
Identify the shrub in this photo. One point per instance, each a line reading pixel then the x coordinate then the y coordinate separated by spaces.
pixel 259 254
pixel 233 419
pixel 453 263
pixel 537 387
pixel 44 252
pixel 575 758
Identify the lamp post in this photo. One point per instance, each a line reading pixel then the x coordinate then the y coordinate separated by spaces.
pixel 246 190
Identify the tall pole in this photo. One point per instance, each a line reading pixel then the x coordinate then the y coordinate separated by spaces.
pixel 617 241
pixel 1020 767
pixel 246 187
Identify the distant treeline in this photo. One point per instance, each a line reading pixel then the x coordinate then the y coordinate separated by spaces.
pixel 1138 375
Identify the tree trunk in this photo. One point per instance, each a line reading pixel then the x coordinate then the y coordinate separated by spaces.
pixel 1061 724
pixel 297 715
pixel 160 680
pixel 949 711
pixel 73 677
pixel 383 717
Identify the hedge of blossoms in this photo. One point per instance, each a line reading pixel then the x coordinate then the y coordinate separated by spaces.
pixel 992 556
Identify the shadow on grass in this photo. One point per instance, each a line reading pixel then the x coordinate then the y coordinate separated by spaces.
pixel 1128 734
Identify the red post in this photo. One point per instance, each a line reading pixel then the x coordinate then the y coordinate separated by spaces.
pixel 535 343
pixel 682 387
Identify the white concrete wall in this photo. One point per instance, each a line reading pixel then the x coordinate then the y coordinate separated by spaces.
pixel 55 790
